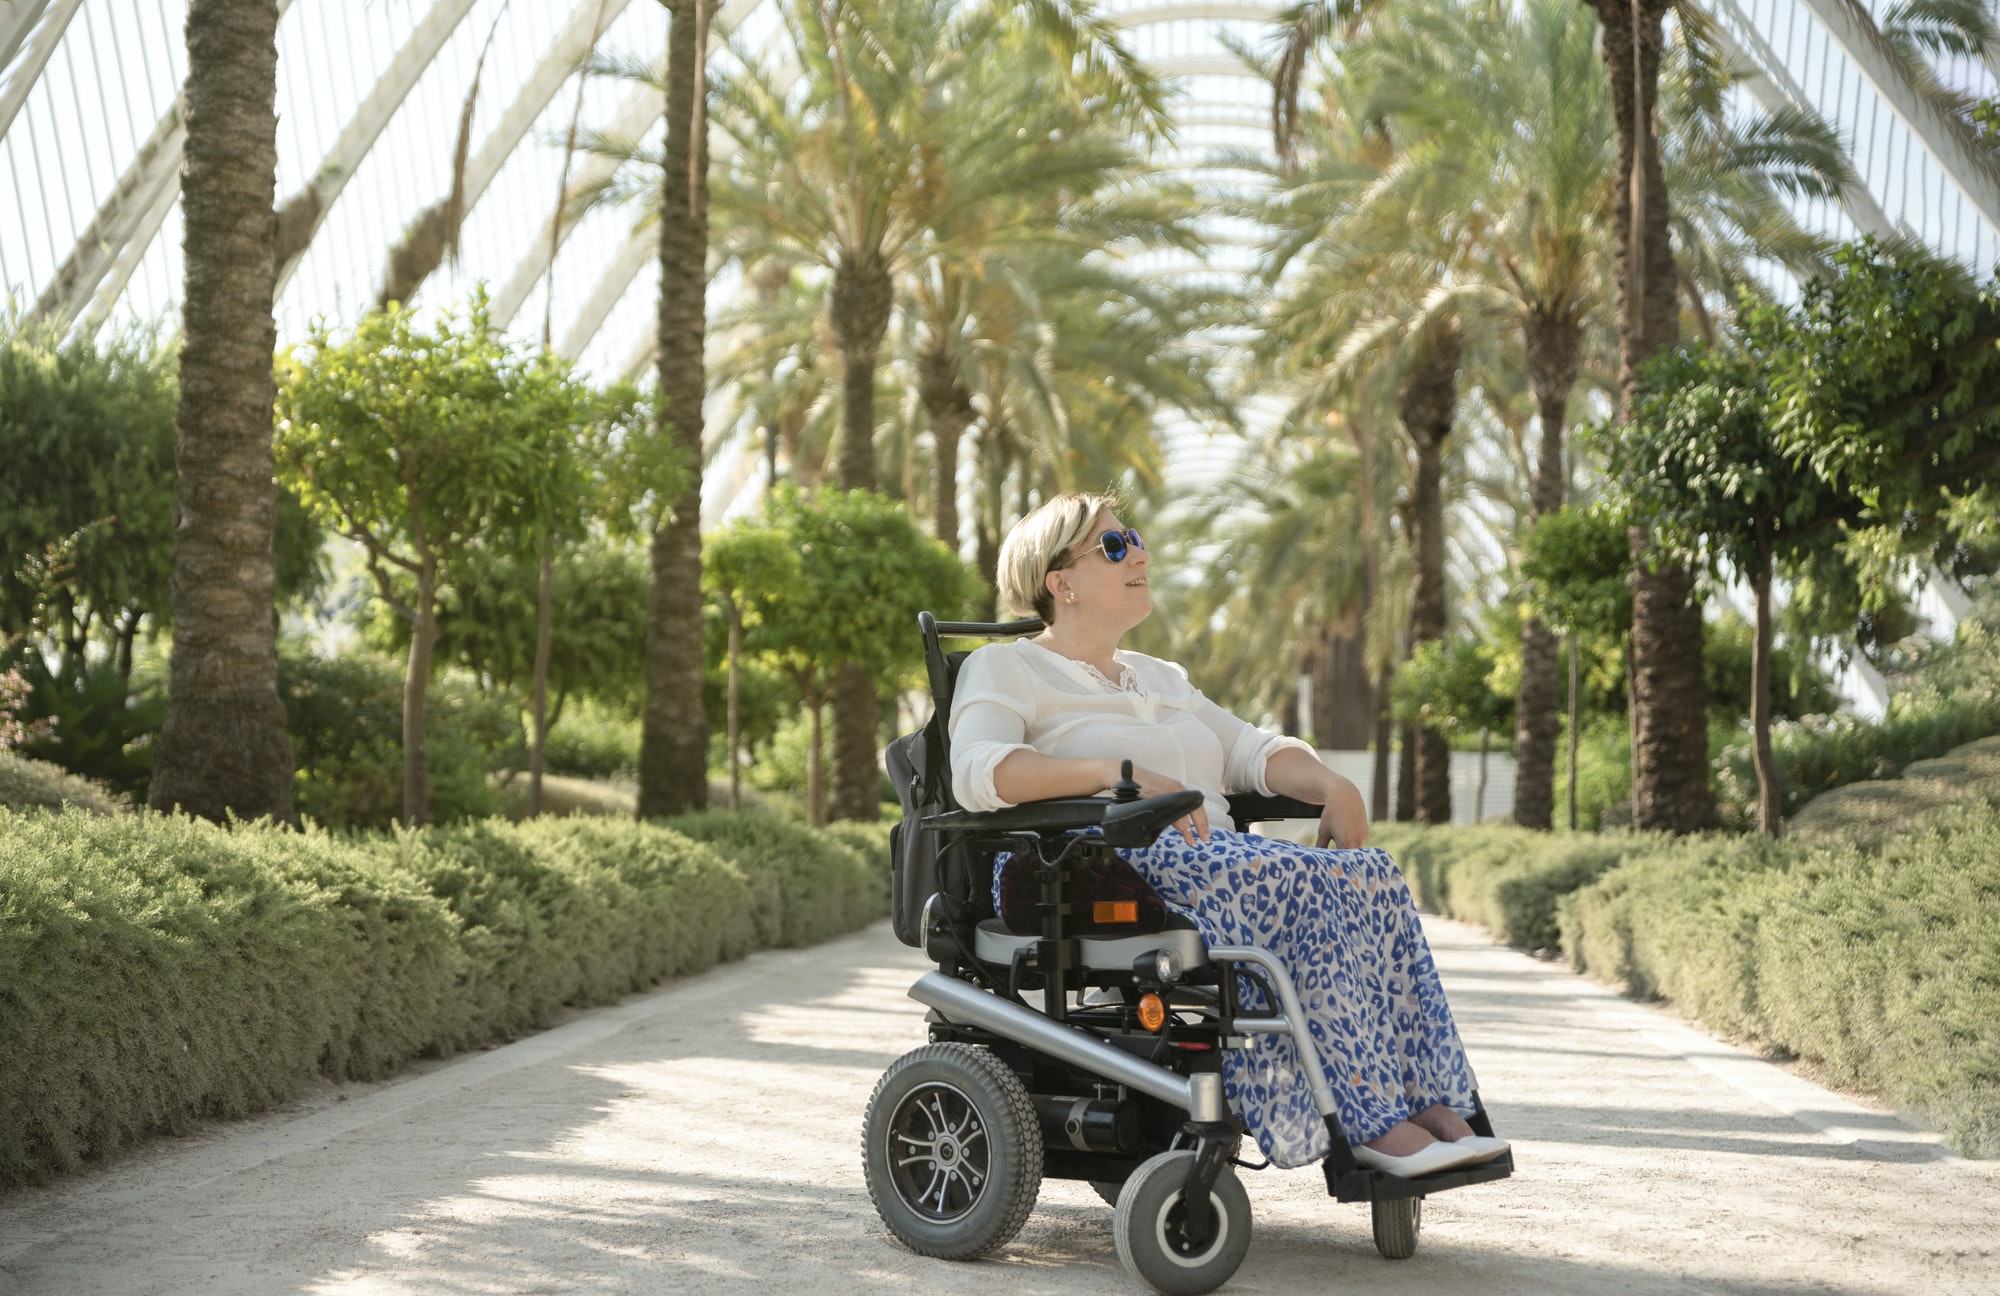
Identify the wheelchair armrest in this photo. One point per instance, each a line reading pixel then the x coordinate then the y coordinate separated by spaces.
pixel 1125 823
pixel 1247 808
pixel 1058 814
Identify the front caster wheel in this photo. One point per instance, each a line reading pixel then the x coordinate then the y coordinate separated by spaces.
pixel 952 1151
pixel 1397 1224
pixel 1150 1228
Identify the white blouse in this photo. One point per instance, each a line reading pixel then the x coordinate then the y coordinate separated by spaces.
pixel 1023 696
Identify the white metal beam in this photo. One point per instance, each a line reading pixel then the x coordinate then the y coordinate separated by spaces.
pixel 17 19
pixel 639 111
pixel 641 246
pixel 133 213
pixel 1199 10
pixel 369 121
pixel 1856 33
pixel 1775 89
pixel 39 48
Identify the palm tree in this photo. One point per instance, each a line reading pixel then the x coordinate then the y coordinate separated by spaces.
pixel 223 750
pixel 673 750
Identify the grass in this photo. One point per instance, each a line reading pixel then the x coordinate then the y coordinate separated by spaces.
pixel 156 970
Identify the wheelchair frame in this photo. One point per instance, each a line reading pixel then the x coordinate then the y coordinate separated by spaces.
pixel 1079 1060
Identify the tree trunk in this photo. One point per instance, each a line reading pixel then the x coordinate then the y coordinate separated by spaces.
pixel 1479 798
pixel 416 687
pixel 223 749
pixel 673 750
pixel 1342 712
pixel 1385 731
pixel 815 770
pixel 1406 774
pixel 1670 789
pixel 1425 405
pixel 545 628
pixel 735 704
pixel 1575 720
pixel 855 788
pixel 1770 810
pixel 1669 696
pixel 948 407
pixel 862 299
pixel 1551 344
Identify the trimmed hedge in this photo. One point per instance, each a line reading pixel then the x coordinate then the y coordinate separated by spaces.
pixel 157 970
pixel 1881 970
pixel 26 783
pixel 1504 878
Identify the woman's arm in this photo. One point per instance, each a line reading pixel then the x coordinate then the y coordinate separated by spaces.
pixel 1032 776
pixel 1295 773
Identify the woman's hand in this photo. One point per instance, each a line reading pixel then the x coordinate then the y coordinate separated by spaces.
pixel 1152 784
pixel 1344 818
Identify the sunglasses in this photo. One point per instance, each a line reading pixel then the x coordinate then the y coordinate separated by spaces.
pixel 1116 544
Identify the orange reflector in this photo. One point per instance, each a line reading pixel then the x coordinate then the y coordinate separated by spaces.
pixel 1152 1013
pixel 1114 911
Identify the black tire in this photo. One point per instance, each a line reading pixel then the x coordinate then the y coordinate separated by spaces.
pixel 1397 1224
pixel 969 1134
pixel 1146 1228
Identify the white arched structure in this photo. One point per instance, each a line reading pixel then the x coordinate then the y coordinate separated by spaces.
pixel 370 96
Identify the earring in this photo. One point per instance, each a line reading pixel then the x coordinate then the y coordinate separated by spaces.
pixel 1072 596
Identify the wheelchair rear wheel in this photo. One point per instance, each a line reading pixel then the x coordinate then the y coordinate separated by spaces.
pixel 952 1151
pixel 1152 1241
pixel 1397 1224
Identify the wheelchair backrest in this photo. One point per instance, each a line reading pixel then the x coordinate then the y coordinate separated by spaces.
pixel 920 770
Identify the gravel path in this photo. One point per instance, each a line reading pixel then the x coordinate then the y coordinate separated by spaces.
pixel 702 1138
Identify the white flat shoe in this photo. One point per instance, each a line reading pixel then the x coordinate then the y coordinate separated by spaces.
pixel 1436 1157
pixel 1487 1147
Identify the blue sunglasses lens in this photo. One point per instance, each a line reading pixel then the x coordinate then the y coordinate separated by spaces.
pixel 1117 544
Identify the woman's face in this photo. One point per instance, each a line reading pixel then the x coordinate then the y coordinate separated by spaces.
pixel 1113 595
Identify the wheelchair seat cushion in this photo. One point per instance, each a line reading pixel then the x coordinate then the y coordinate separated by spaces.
pixel 1107 897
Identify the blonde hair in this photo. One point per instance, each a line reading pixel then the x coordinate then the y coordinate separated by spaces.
pixel 1039 544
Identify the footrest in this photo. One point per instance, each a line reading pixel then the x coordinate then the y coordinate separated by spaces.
pixel 1380 1185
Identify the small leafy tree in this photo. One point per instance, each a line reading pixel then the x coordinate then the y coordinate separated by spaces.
pixel 751 568
pixel 1448 685
pixel 414 443
pixel 1576 565
pixel 864 572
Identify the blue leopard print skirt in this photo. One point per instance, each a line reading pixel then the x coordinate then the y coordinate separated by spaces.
pixel 1344 923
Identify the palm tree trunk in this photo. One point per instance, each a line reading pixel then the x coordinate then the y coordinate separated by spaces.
pixel 948 407
pixel 545 627
pixel 1425 404
pixel 1770 809
pixel 815 767
pixel 1669 697
pixel 1670 790
pixel 1342 714
pixel 223 749
pixel 1575 724
pixel 1385 732
pixel 862 299
pixel 416 690
pixel 1551 343
pixel 1406 773
pixel 673 749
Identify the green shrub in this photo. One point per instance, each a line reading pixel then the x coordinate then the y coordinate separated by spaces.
pixel 1504 878
pixel 819 892
pixel 102 726
pixel 155 970
pixel 345 718
pixel 32 784
pixel 1943 696
pixel 593 741
pixel 1881 970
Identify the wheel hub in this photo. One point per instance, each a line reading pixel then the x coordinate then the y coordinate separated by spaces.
pixel 938 1156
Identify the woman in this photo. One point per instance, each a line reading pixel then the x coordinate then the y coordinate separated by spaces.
pixel 1054 715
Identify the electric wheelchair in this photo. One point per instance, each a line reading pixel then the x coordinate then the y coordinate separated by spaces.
pixel 1079 1034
